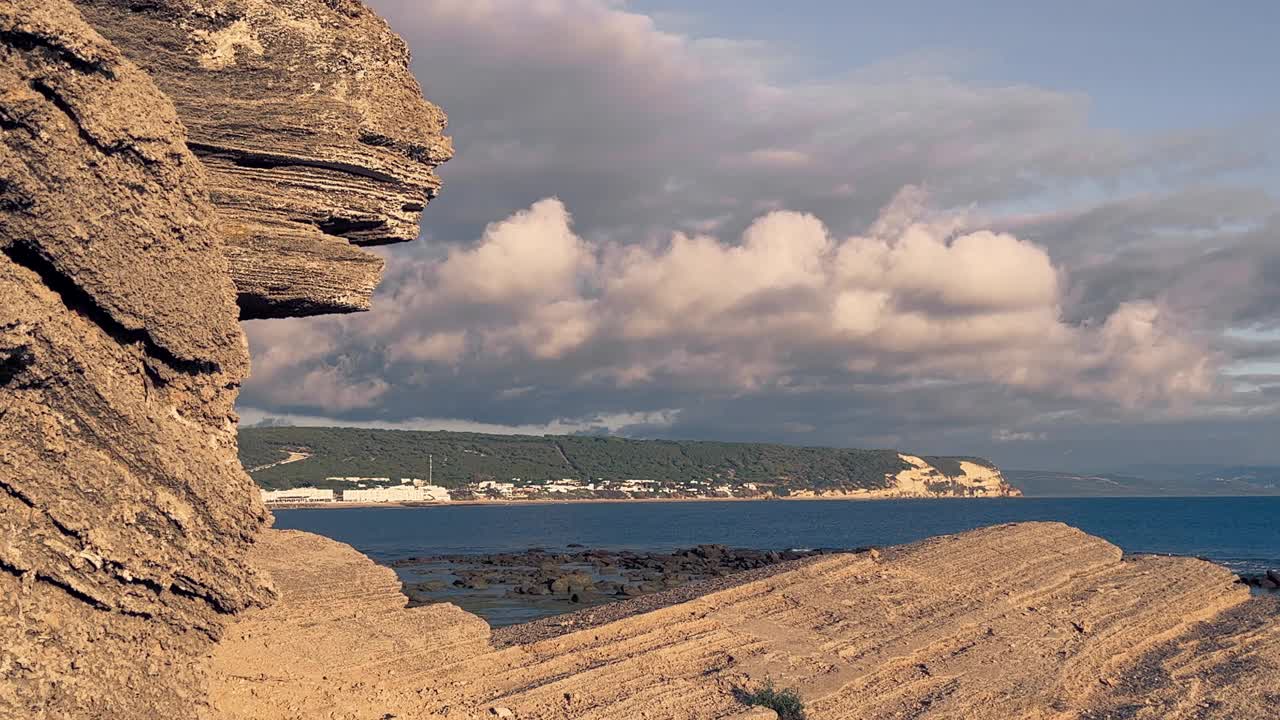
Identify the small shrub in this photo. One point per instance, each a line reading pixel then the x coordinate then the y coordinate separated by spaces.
pixel 786 702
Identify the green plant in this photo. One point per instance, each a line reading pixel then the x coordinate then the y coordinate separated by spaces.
pixel 786 702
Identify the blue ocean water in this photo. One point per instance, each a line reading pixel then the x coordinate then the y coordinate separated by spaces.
pixel 1241 533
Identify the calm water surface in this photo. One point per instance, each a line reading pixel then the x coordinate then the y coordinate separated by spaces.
pixel 1242 533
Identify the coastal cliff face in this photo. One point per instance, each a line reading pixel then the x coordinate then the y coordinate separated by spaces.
pixel 125 516
pixel 973 479
pixel 314 134
pixel 923 479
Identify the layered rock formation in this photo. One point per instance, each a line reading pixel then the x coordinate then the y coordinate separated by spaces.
pixel 1034 620
pixel 125 517
pixel 315 135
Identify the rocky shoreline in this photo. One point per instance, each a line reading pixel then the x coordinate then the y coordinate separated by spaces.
pixel 625 607
pixel 539 593
pixel 507 588
pixel 1269 580
pixel 848 497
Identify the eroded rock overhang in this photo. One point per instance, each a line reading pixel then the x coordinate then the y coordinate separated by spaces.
pixel 314 133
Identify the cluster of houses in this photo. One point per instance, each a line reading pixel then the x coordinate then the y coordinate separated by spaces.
pixel 516 489
pixel 416 490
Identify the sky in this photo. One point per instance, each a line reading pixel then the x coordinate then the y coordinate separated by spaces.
pixel 1041 233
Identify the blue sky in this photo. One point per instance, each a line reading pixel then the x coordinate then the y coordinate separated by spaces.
pixel 1144 64
pixel 1046 233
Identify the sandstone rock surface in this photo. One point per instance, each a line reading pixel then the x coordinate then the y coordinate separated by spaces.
pixel 315 135
pixel 125 517
pixel 1034 620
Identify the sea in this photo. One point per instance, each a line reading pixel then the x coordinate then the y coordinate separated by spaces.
pixel 1242 533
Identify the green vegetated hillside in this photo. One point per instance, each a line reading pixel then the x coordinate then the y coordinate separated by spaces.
pixel 460 458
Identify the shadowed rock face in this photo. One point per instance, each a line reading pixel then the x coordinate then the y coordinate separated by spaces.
pixel 314 133
pixel 125 517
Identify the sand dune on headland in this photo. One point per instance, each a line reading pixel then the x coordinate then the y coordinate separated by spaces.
pixel 1031 620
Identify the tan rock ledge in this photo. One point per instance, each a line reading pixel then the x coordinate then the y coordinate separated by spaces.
pixel 1033 620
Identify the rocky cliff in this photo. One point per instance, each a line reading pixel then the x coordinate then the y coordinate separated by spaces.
pixel 972 479
pixel 314 134
pixel 125 516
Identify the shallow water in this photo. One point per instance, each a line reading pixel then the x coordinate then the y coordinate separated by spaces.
pixel 1241 533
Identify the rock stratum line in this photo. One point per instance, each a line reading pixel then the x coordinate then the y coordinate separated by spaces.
pixel 1034 620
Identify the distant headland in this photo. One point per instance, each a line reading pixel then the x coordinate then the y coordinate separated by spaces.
pixel 349 466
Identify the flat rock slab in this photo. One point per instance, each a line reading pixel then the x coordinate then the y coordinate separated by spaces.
pixel 1025 620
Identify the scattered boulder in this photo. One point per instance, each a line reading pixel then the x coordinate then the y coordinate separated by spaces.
pixel 1270 580
pixel 571 583
pixel 588 576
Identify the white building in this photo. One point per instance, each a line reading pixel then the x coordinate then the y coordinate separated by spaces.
pixel 434 493
pixel 294 496
pixel 398 494
pixel 637 485
pixel 503 489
